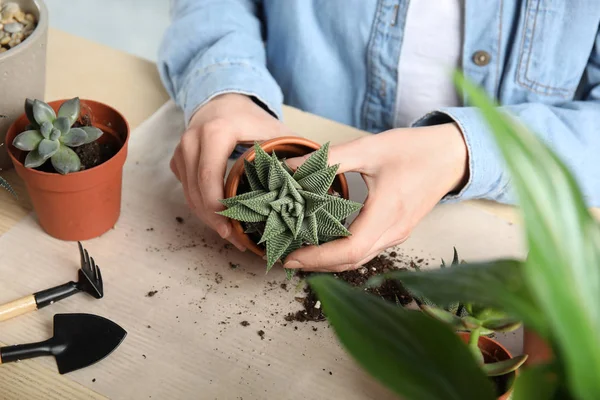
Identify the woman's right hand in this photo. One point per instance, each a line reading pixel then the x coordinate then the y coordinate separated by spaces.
pixel 200 159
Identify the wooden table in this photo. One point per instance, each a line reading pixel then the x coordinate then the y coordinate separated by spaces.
pixel 131 85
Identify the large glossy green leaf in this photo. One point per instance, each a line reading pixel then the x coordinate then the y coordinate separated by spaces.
pixel 563 266
pixel 414 355
pixel 497 284
pixel 535 383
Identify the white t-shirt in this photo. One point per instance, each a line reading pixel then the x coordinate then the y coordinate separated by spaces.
pixel 431 49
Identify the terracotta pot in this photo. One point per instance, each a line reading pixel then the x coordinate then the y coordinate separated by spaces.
pixel 80 205
pixel 536 348
pixel 287 146
pixel 23 71
pixel 494 351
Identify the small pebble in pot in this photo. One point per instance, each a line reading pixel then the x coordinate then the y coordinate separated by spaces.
pixel 5 40
pixel 20 16
pixel 9 11
pixel 13 27
pixel 2 50
pixel 29 17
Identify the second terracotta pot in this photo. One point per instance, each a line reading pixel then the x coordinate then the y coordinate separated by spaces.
pixel 494 351
pixel 284 147
pixel 80 205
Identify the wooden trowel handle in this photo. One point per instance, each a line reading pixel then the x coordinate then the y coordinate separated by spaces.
pixel 18 307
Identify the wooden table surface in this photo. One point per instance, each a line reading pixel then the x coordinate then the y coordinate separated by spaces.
pixel 131 85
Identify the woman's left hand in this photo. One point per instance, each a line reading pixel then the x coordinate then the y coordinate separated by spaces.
pixel 407 172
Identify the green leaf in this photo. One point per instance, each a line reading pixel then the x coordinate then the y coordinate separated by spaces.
pixel 62 124
pixel 42 112
pixel 34 159
pixel 444 316
pixel 28 140
pixel 69 110
pixel 317 161
pixel 75 137
pixel 320 181
pixel 415 356
pixel 308 231
pixel 536 382
pixel 242 213
pixel 65 160
pixel 6 186
pixel 289 273
pixel 55 134
pixel 232 201
pixel 327 225
pixel 279 204
pixel 505 366
pixel 29 113
pixel 252 176
pixel 46 129
pixel 341 208
pixel 274 226
pixel 92 132
pixel 506 324
pixel 262 162
pixel 277 175
pixel 498 284
pixel 292 190
pixel 276 247
pixel 261 203
pixel 47 148
pixel 295 245
pixel 562 268
pixel 314 202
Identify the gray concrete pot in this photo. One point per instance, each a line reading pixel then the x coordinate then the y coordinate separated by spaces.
pixel 22 71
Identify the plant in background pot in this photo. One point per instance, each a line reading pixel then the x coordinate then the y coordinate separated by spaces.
pixel 554 292
pixel 289 209
pixel 70 155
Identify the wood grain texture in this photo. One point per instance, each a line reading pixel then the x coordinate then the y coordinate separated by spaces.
pixel 17 307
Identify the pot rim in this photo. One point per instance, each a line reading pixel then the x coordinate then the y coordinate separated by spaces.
pixel 39 30
pixel 91 104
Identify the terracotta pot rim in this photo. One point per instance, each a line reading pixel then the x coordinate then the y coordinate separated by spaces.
pixel 54 175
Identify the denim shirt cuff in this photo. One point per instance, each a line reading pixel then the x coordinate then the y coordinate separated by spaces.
pixel 487 176
pixel 230 77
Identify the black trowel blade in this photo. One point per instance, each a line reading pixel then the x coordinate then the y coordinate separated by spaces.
pixel 81 340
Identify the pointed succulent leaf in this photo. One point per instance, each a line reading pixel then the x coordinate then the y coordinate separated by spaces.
pixel 455 257
pixel 290 223
pixel 42 112
pixel 443 316
pixel 293 190
pixel 252 176
pixel 65 160
pixel 504 367
pixel 70 110
pixel 47 148
pixel 276 247
pixel 261 204
pixel 320 181
pixel 46 129
pixel 34 159
pixel 287 168
pixel 314 201
pixel 341 208
pixel 242 213
pixel 299 220
pixel 28 140
pixel 295 245
pixel 506 324
pixel 29 113
pixel 6 186
pixel 316 162
pixel 274 226
pixel 278 204
pixel 308 232
pixel 232 201
pixel 277 175
pixel 262 161
pixel 92 132
pixel 62 124
pixel 289 273
pixel 327 225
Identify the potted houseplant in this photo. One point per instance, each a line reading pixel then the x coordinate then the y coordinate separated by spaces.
pixel 23 38
pixel 70 154
pixel 554 292
pixel 276 210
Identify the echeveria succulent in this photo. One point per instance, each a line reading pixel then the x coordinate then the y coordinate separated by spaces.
pixel 53 136
pixel 478 320
pixel 294 208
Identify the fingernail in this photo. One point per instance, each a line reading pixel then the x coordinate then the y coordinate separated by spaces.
pixel 223 231
pixel 292 265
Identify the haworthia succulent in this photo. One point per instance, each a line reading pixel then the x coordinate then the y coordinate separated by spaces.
pixel 295 207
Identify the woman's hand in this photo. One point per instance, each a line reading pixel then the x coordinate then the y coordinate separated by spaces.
pixel 200 159
pixel 407 172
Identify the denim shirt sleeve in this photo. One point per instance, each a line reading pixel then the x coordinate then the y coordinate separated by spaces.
pixel 214 47
pixel 571 129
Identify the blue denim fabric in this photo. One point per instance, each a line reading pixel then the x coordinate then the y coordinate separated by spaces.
pixel 339 59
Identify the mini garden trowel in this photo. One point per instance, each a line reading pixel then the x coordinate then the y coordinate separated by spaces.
pixel 90 281
pixel 79 341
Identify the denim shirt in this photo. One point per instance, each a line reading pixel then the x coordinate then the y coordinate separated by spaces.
pixel 339 58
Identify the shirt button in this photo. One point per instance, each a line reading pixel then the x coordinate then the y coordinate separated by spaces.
pixel 481 58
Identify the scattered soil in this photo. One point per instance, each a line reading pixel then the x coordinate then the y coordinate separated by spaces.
pixel 233 266
pixel 390 290
pixel 151 293
pixel 244 323
pixel 179 220
pixel 261 333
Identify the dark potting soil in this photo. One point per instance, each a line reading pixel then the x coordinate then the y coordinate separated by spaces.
pixel 390 290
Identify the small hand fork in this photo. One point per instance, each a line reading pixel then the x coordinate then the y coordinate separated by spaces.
pixel 90 281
